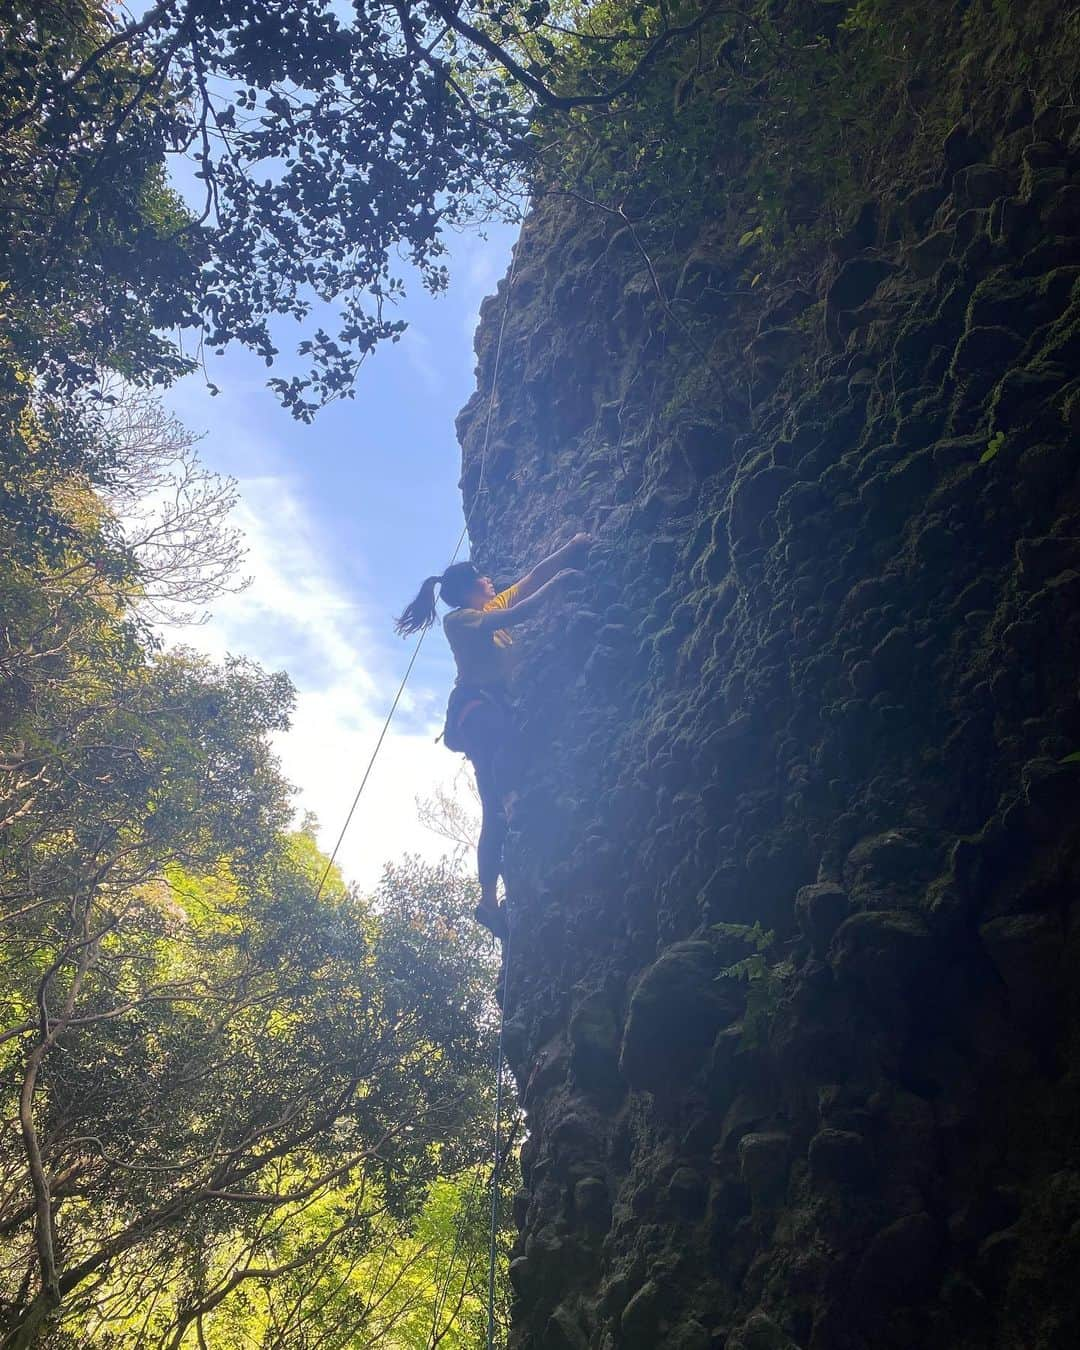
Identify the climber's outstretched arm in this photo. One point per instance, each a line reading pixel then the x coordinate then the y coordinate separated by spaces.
pixel 491 619
pixel 543 572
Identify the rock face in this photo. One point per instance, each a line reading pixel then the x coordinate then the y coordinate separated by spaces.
pixel 822 678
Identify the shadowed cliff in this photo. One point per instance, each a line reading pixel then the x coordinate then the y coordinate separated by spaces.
pixel 794 874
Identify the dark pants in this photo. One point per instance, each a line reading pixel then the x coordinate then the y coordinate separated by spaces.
pixel 487 732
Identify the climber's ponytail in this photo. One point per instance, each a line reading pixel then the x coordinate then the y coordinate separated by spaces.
pixel 421 613
pixel 455 587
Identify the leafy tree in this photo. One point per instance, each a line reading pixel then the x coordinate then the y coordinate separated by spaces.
pixel 208 1071
pixel 377 1260
pixel 328 152
pixel 255 1138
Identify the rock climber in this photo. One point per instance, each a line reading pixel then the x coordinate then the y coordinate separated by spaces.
pixel 479 715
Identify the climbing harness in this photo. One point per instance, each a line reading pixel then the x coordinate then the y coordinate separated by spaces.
pixel 464 701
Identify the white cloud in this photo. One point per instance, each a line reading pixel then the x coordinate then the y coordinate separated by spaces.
pixel 421 357
pixel 297 615
pixel 486 266
pixel 320 616
pixel 487 263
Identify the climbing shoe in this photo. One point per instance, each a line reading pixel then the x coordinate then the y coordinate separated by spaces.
pixel 494 920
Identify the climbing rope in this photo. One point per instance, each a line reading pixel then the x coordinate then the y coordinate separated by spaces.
pixel 371 762
pixel 496 1179
pixel 442 1292
pixel 457 549
pixel 496 1165
pixel 496 1169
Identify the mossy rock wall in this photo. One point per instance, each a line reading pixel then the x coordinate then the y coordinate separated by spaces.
pixel 823 677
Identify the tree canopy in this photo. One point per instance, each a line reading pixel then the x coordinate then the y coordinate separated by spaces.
pixel 327 153
pixel 226 1100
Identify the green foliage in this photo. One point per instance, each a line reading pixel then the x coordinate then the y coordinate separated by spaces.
pixel 237 1112
pixel 229 1103
pixel 765 979
pixel 994 447
pixel 758 140
pixel 752 934
pixel 319 152
pixel 329 153
pixel 386 1282
pixel 371 1211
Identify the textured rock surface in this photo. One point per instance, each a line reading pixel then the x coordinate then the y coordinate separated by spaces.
pixel 824 677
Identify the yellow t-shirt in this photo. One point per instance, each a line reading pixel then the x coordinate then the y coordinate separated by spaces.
pixel 483 658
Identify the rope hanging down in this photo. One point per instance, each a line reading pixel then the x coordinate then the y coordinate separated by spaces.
pixel 457 549
pixel 443 1290
pixel 496 1166
pixel 496 1169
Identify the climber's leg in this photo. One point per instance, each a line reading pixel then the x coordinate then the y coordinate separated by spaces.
pixel 505 767
pixel 492 829
pixel 483 733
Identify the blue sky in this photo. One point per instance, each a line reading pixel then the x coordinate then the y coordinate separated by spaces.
pixel 343 520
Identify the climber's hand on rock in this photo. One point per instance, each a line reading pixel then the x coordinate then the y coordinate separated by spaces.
pixel 580 541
